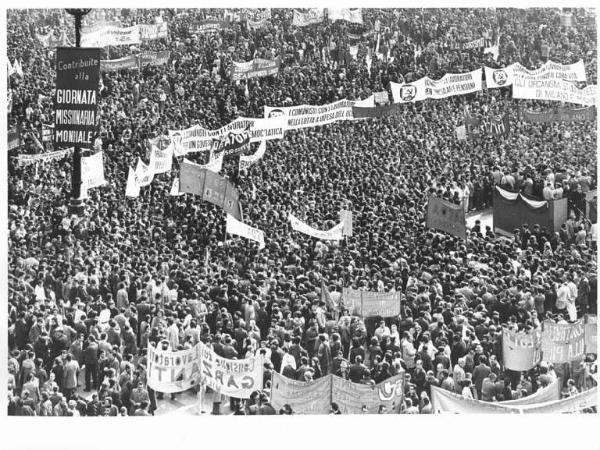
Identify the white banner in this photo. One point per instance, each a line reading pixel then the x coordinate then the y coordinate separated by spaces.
pixel 111 35
pixel 248 161
pixel 25 160
pixel 92 171
pixel 153 31
pixel 556 90
pixel 173 371
pixel 314 15
pixel 234 226
pixel 143 174
pixel 449 85
pixel 334 234
pixel 214 164
pixel 197 138
pixel 175 188
pixel 133 189
pixel 161 158
pixel 496 78
pixel 350 15
pixel 305 116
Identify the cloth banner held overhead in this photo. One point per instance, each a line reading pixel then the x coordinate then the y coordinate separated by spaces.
pixel 248 161
pixel 143 174
pixel 212 187
pixel 352 398
pixel 445 216
pixel 132 189
pixel 111 35
pixel 371 304
pixel 112 65
pixel 560 114
pixel 555 90
pixel 470 45
pixel 334 234
pixel 153 31
pixel 346 218
pixel 492 125
pixel 25 160
pixel 312 16
pixel 304 116
pixel 175 188
pixel 92 171
pixel 256 68
pixel 161 155
pixel 304 397
pixel 591 333
pixel 549 71
pixel 258 18
pixel 521 351
pixel 347 14
pixel 562 343
pixel 449 85
pixel 154 58
pixel 173 371
pixel 234 226
pixel 231 143
pixel 233 377
pixel 208 26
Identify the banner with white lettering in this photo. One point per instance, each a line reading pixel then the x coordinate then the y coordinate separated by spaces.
pixel 233 377
pixel 234 226
pixel 470 45
pixel 357 398
pixel 521 351
pixel 256 68
pixel 92 171
pixel 449 85
pixel 172 371
pixel 231 143
pixel 149 32
pixel 353 15
pixel 76 98
pixel 310 17
pixel 334 234
pixel 208 26
pixel 562 343
pixel 248 161
pixel 497 78
pixel 312 397
pixel 111 35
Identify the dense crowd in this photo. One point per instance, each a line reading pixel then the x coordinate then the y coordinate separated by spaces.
pixel 87 295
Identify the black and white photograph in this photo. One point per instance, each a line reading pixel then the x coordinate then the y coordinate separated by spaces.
pixel 305 211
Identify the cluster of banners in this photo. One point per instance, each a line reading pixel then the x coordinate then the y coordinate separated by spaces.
pixel 561 114
pixel 212 187
pixel 115 35
pixel 347 14
pixel 445 216
pixel 310 17
pixel 492 125
pixel 449 85
pixel 176 371
pixel 334 234
pixel 256 68
pixel 248 161
pixel 197 138
pixel 371 304
pixel 26 160
pixel 234 226
pixel 161 161
pixel 317 396
pixel 444 401
pixel 135 61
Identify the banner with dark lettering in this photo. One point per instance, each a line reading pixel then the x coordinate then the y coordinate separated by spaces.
pixel 172 371
pixel 371 304
pixel 470 45
pixel 561 114
pixel 305 116
pixel 233 377
pixel 449 85
pixel 445 216
pixel 304 397
pixel 149 32
pixel 111 35
pixel 154 58
pixel 520 350
pixel 562 343
pixel 256 68
pixel 76 97
pixel 492 125
pixel 356 398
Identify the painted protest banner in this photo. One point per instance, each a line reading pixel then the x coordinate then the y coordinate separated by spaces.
pixel 310 17
pixel 346 218
pixel 112 65
pixel 554 90
pixel 233 377
pixel 211 186
pixel 304 116
pixel 76 98
pixel 256 68
pixel 304 397
pixel 349 15
pixel 149 32
pixel 143 174
pixel 231 143
pixel 371 304
pixel 521 351
pixel 92 171
pixel 248 161
pixel 257 18
pixel 334 234
pixel 25 160
pixel 234 226
pixel 562 343
pixel 497 78
pixel 173 371
pixel 378 111
pixel 591 333
pixel 154 58
pixel 470 45
pixel 111 35
pixel 561 114
pixel 161 155
pixel 449 85
pixel 492 125
pixel 445 216
pixel 355 398
pixel 208 26
pixel 197 138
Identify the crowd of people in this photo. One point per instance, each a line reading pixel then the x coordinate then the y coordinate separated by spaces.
pixel 87 295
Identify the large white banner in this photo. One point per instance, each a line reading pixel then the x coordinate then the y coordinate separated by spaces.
pixel 314 15
pixel 497 78
pixel 172 371
pixel 234 226
pixel 153 31
pixel 350 15
pixel 110 35
pixel 143 174
pixel 556 90
pixel 174 188
pixel 248 161
pixel 161 158
pixel 334 234
pixel 233 377
pixel 92 171
pixel 449 85
pixel 25 160
pixel 197 138
pixel 132 189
